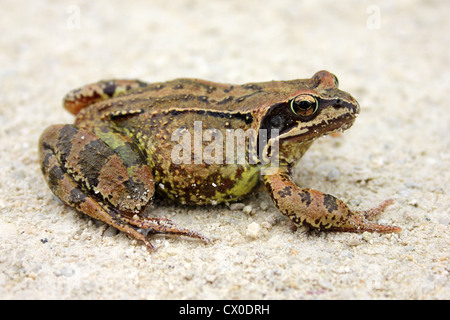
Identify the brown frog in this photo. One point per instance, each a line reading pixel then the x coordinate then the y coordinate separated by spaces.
pixel 133 141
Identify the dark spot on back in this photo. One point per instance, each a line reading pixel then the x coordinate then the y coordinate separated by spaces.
pixel 110 88
pixel 225 185
pixel 229 89
pixel 252 87
pixel 225 100
pixel 142 84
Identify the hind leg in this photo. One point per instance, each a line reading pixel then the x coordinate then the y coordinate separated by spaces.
pixel 113 185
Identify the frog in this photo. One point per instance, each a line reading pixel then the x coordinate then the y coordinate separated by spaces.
pixel 117 159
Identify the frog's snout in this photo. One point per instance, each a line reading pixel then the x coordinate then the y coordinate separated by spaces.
pixel 352 105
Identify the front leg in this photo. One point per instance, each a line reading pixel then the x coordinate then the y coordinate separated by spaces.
pixel 319 210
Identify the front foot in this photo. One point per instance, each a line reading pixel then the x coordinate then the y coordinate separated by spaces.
pixel 319 210
pixel 360 221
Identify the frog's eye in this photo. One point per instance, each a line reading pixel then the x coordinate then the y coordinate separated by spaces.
pixel 304 105
pixel 336 81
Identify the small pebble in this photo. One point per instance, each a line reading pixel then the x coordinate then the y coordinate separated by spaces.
pixel 272 219
pixel 333 174
pixel 253 230
pixel 266 225
pixel 346 254
pixel 264 205
pixel 413 202
pixel 237 206
pixel 66 272
pixel 367 236
pixel 110 232
pixel 247 209
pixel 353 242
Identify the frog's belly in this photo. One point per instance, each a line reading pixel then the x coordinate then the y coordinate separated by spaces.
pixel 205 184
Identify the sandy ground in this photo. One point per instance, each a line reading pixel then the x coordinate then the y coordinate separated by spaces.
pixel 392 56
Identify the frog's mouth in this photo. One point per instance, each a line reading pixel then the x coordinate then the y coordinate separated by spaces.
pixel 304 135
pixel 306 132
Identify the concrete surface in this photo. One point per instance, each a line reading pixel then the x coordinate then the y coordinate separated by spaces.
pixel 392 56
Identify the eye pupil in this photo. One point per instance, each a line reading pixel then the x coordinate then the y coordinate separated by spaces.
pixel 304 105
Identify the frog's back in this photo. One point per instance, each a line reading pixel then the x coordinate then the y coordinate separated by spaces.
pixel 98 101
pixel 187 93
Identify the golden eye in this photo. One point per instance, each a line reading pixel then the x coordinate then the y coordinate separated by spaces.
pixel 304 105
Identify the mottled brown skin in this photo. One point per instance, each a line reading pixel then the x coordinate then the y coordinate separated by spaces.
pixel 117 156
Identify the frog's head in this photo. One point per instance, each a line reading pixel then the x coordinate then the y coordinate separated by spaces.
pixel 317 108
